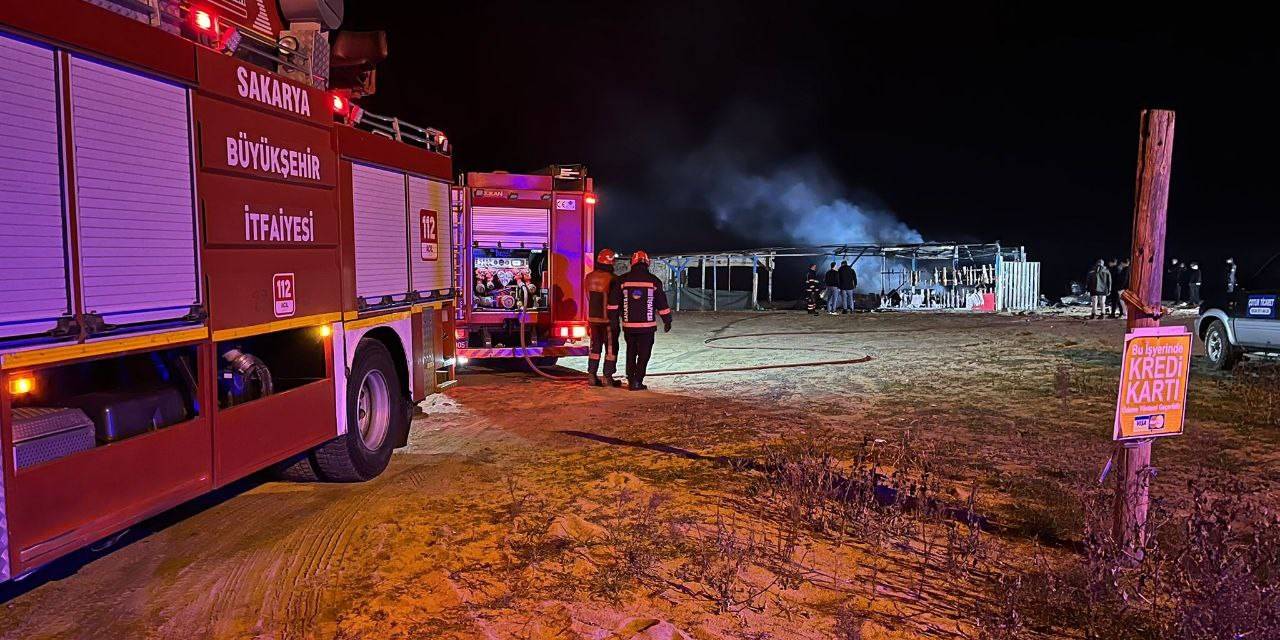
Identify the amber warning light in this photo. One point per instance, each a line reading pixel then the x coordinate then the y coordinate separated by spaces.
pixel 590 199
pixel 21 385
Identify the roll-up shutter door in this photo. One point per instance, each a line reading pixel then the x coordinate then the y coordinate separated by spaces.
pixel 133 194
pixel 430 263
pixel 511 226
pixel 382 239
pixel 33 276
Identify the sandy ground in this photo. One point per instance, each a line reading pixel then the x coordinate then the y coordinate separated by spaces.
pixel 526 508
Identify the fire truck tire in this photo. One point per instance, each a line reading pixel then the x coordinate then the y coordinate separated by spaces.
pixel 375 419
pixel 299 468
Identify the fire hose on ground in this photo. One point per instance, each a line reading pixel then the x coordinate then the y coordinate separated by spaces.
pixel 579 377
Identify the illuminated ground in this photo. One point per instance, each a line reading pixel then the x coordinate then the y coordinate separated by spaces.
pixel 526 508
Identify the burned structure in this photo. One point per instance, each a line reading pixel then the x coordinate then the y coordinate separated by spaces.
pixel 923 276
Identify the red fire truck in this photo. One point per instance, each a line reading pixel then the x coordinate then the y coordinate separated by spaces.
pixel 211 262
pixel 524 241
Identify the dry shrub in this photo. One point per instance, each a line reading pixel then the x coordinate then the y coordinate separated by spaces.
pixel 640 536
pixel 1210 569
pixel 890 493
pixel 720 566
pixel 1254 394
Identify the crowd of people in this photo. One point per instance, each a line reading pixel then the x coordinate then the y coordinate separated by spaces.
pixel 838 285
pixel 1182 282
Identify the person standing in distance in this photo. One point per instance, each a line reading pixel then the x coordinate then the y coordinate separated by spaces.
pixel 811 289
pixel 1113 298
pixel 604 331
pixel 848 282
pixel 1194 280
pixel 1099 281
pixel 832 282
pixel 1119 283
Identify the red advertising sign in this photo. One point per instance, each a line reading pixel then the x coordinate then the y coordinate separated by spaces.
pixel 428 238
pixel 284 294
pixel 1153 383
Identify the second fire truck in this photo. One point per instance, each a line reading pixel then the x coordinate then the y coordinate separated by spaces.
pixel 524 241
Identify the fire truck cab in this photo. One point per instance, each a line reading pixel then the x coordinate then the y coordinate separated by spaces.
pixel 525 242
pixel 211 261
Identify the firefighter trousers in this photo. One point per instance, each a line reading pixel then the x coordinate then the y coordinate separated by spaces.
pixel 639 348
pixel 604 345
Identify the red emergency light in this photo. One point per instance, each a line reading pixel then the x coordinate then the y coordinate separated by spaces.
pixel 590 198
pixel 571 331
pixel 202 20
pixel 340 105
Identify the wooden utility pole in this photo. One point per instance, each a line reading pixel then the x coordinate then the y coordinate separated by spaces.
pixel 1146 277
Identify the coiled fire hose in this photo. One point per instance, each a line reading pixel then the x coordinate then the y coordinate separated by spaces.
pixel 579 377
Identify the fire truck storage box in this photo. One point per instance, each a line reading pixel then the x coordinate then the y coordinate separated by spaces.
pixel 120 415
pixel 41 434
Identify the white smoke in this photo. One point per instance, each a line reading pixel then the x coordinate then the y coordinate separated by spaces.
pixel 795 202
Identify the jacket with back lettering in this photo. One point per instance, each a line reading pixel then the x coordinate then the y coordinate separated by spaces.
pixel 598 284
pixel 638 301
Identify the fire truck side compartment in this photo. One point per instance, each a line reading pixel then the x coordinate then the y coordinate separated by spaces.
pixel 133 194
pixel 568 251
pixel 429 262
pixel 381 237
pixel 41 434
pixel 511 227
pixel 33 279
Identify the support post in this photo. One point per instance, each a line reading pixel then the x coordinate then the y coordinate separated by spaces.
pixel 715 284
pixel 772 256
pixel 884 272
pixel 1151 199
pixel 755 282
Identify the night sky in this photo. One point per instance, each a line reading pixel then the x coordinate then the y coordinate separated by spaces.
pixel 969 122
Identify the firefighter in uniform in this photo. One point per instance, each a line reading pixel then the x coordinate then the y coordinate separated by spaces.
pixel 812 285
pixel 638 301
pixel 604 330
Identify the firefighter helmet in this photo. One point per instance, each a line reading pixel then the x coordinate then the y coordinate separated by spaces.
pixel 606 256
pixel 639 256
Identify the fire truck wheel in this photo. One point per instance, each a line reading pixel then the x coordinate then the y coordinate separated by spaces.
pixel 375 419
pixel 299 468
